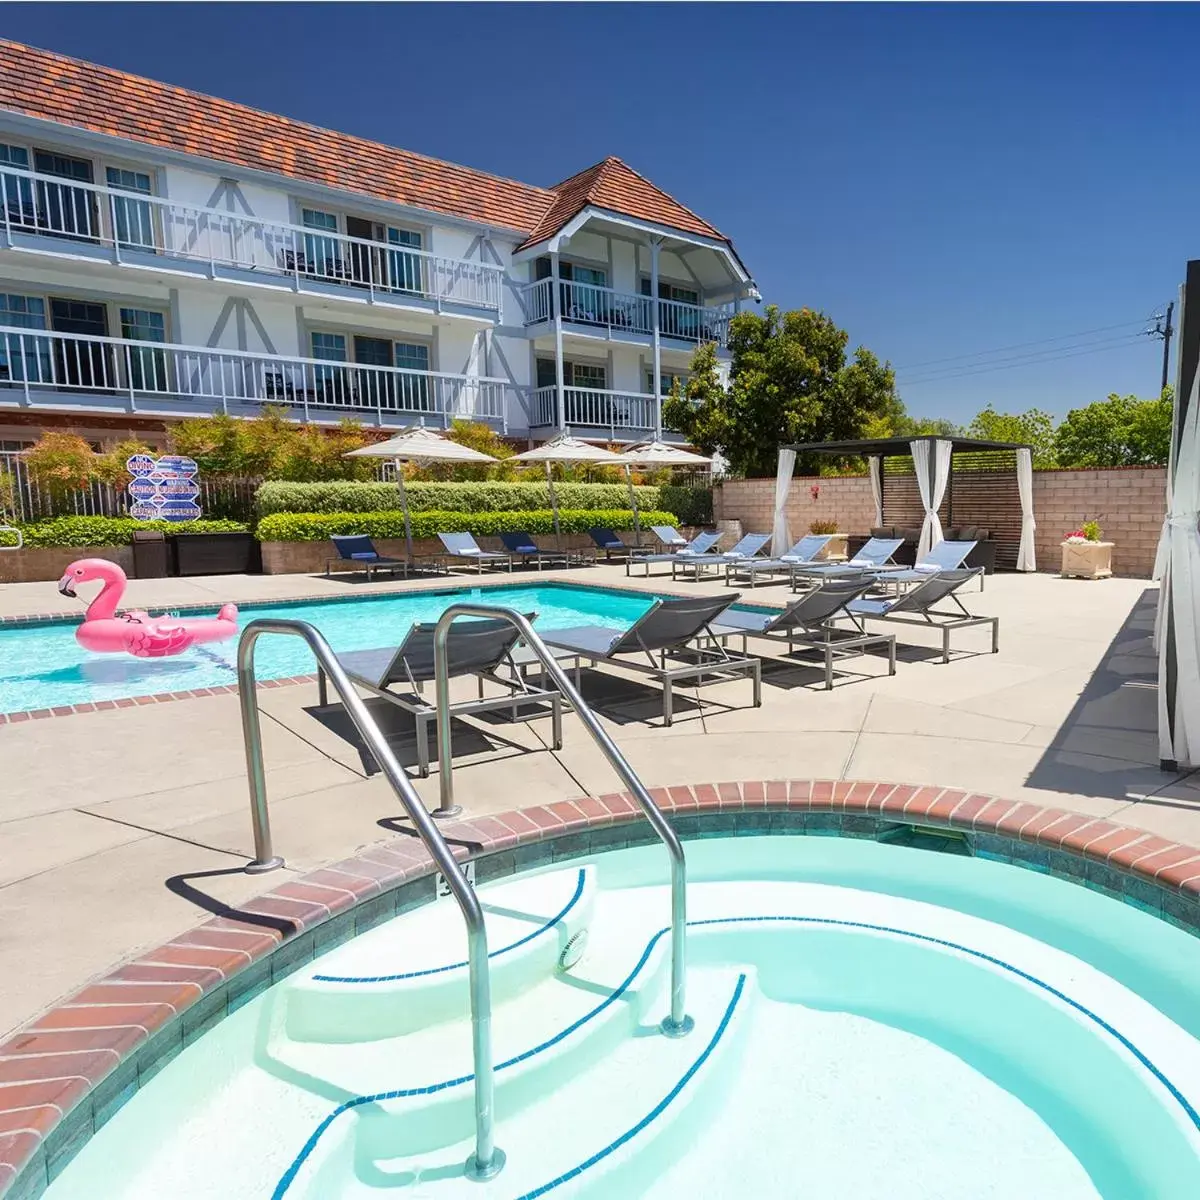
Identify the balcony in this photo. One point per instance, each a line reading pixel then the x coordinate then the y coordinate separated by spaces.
pixel 618 313
pixel 40 368
pixel 51 215
pixel 596 409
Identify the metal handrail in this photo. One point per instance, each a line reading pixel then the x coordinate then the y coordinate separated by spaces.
pixel 678 1022
pixel 12 529
pixel 488 1158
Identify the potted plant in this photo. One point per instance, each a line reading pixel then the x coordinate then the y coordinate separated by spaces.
pixel 836 549
pixel 1085 555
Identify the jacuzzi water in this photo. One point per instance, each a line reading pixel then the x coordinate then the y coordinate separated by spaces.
pixel 42 666
pixel 871 1023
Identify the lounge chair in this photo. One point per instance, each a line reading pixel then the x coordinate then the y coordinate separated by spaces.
pixel 802 554
pixel 809 621
pixel 524 549
pixel 945 556
pixel 700 564
pixel 916 607
pixel 701 544
pixel 476 648
pixel 669 536
pixel 874 556
pixel 608 541
pixel 667 628
pixel 357 548
pixel 464 546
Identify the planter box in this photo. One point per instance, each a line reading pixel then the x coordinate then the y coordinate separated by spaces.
pixel 38 564
pixel 1087 560
pixel 216 553
pixel 836 549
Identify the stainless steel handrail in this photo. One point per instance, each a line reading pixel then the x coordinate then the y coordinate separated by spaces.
pixel 488 1158
pixel 678 1022
pixel 12 529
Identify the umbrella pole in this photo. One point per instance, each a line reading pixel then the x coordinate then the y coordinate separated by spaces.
pixel 637 524
pixel 554 507
pixel 408 542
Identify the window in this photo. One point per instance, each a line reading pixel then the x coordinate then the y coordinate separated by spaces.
pixel 16 192
pixel 64 210
pixel 329 345
pixel 79 362
pixel 412 356
pixel 405 271
pixel 147 368
pixel 22 356
pixel 333 384
pixel 133 218
pixel 670 291
pixel 666 381
pixel 321 253
pixel 13 446
pixel 585 375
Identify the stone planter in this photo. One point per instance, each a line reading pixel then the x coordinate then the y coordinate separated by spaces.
pixel 38 564
pixel 837 549
pixel 1087 560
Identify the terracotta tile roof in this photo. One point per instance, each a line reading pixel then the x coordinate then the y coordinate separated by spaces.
pixel 103 100
pixel 613 185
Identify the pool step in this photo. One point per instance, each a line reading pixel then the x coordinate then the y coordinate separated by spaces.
pixel 411 973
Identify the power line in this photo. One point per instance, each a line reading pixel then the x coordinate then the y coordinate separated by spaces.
pixel 1019 345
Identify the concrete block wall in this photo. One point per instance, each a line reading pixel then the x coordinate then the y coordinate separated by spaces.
pixel 1129 503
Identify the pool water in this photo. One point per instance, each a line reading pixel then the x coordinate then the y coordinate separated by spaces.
pixel 42 666
pixel 872 1022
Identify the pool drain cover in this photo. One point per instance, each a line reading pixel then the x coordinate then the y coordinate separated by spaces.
pixel 572 952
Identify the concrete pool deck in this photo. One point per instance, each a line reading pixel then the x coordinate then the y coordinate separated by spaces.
pixel 120 829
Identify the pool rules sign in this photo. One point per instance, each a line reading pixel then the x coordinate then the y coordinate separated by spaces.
pixel 163 489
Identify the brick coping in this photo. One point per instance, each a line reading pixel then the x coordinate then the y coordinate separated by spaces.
pixel 67 1072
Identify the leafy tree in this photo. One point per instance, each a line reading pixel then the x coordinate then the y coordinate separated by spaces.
pixel 110 466
pixel 1034 426
pixel 217 443
pixel 1119 431
pixel 790 381
pixel 60 463
pixel 907 426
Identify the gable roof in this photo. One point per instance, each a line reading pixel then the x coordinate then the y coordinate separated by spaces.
pixel 613 185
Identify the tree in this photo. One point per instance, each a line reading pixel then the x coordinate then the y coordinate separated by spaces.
pixel 789 381
pixel 1034 426
pixel 60 464
pixel 1116 432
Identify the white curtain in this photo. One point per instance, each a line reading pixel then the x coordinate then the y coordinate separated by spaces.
pixel 933 490
pixel 1026 555
pixel 875 464
pixel 1179 562
pixel 781 535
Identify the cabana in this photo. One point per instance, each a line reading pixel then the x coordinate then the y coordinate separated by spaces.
pixel 952 482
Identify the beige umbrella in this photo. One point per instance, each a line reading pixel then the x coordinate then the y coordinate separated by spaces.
pixel 655 454
pixel 566 449
pixel 418 445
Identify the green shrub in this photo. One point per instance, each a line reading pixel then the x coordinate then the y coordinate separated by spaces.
pixel 278 497
pixel 113 531
pixel 693 504
pixel 314 527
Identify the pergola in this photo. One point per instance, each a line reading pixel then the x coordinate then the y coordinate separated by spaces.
pixel 993 487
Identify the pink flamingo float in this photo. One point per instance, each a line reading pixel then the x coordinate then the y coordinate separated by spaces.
pixel 137 633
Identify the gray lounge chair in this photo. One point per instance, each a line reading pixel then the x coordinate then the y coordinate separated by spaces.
pixel 945 556
pixel 476 648
pixel 809 621
pixel 701 544
pixel 463 546
pixel 874 556
pixel 358 549
pixel 669 536
pixel 700 564
pixel 803 553
pixel 669 628
pixel 916 607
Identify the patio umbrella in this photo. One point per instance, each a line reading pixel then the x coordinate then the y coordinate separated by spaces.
pixel 566 449
pixel 418 445
pixel 655 454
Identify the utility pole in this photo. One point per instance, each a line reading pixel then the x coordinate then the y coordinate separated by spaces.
pixel 1163 329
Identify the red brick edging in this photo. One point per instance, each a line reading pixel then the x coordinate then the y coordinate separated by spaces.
pixel 67 1072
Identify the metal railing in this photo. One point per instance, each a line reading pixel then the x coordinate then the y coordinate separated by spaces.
pixel 595 408
pixel 137 371
pixel 488 1159
pixel 677 1023
pixel 629 312
pixel 135 224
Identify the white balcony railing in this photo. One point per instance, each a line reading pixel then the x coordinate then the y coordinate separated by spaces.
pixel 132 225
pixel 604 308
pixel 594 408
pixel 144 375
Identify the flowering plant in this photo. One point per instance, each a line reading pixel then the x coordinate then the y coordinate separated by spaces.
pixel 1089 531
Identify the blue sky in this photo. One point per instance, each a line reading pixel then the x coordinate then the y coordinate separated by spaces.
pixel 942 180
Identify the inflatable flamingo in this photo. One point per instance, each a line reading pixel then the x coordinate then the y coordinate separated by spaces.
pixel 137 633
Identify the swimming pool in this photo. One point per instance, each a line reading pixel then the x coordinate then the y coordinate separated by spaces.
pixel 872 1022
pixel 42 666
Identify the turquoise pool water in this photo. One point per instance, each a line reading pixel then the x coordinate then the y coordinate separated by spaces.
pixel 42 666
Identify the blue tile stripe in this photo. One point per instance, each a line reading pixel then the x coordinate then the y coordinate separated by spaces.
pixel 657 1110
pixel 289 1176
pixel 529 937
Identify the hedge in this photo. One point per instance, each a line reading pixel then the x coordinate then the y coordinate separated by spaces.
pixel 113 531
pixel 315 527
pixel 693 504
pixel 341 497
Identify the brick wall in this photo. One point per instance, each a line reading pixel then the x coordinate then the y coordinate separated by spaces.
pixel 1129 503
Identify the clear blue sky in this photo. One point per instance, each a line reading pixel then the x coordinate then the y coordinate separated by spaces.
pixel 942 180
